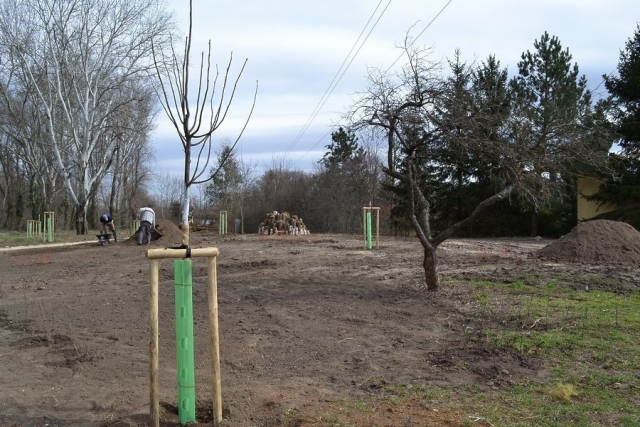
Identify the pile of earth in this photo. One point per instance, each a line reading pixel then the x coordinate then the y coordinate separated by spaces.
pixel 596 242
pixel 166 232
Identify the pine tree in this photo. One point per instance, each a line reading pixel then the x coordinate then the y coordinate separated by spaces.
pixel 624 89
pixel 625 94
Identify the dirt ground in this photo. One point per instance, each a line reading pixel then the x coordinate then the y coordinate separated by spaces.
pixel 306 323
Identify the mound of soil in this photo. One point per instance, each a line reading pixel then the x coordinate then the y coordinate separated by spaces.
pixel 596 242
pixel 166 232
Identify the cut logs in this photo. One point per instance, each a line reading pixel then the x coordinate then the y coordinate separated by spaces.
pixel 282 223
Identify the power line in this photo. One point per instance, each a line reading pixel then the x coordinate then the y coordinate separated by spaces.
pixel 339 75
pixel 326 96
pixel 312 147
pixel 421 33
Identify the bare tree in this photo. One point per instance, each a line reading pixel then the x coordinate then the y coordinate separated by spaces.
pixel 131 129
pixel 168 191
pixel 196 123
pixel 26 130
pixel 80 57
pixel 442 130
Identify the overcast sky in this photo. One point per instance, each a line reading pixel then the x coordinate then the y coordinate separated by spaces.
pixel 295 50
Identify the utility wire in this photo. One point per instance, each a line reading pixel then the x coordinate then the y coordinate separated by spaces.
pixel 334 86
pixel 338 75
pixel 421 33
pixel 312 147
pixel 324 100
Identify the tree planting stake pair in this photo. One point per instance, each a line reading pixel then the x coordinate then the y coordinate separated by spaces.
pixel 185 353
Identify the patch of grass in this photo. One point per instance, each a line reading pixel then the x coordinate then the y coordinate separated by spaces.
pixel 361 406
pixel 590 338
pixel 564 392
pixel 15 238
pixel 292 413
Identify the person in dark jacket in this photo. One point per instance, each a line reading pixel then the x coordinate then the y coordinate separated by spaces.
pixel 107 224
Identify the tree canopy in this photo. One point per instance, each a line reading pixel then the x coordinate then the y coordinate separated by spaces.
pixel 469 130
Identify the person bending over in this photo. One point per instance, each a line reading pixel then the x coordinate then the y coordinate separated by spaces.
pixel 147 221
pixel 107 224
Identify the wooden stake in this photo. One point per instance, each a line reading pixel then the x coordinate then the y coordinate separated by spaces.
pixel 215 341
pixel 153 345
pixel 166 253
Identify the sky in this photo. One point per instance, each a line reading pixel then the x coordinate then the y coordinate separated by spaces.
pixel 310 59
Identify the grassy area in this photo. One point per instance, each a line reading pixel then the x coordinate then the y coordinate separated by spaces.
pixel 14 238
pixel 588 340
pixel 591 341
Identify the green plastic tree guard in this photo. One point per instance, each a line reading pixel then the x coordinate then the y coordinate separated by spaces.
pixel 223 223
pixel 49 231
pixel 184 341
pixel 369 239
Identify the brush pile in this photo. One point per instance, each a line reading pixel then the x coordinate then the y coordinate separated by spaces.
pixel 282 223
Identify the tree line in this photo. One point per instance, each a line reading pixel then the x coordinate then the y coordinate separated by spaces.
pixel 77 105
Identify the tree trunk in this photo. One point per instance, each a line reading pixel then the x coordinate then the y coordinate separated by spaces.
pixel 115 187
pixel 430 265
pixel 81 219
pixel 534 224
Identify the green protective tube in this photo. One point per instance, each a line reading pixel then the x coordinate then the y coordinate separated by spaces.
pixel 224 223
pixel 29 229
pixel 49 231
pixel 369 242
pixel 184 341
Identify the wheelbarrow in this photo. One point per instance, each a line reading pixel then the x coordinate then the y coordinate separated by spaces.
pixel 103 238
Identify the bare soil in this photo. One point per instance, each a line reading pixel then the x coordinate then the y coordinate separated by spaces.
pixel 307 323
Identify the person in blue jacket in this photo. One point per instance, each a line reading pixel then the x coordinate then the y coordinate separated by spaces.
pixel 107 224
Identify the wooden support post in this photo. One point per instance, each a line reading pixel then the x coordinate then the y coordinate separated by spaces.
pixel 135 226
pixel 215 340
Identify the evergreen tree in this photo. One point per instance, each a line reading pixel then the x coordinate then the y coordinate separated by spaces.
pixel 625 94
pixel 553 126
pixel 624 89
pixel 345 183
pixel 343 147
pixel 226 181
